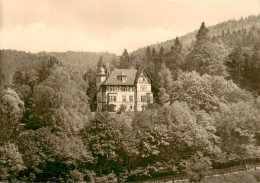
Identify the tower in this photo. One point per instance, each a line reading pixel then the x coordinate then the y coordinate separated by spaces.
pixel 101 73
pixel 101 77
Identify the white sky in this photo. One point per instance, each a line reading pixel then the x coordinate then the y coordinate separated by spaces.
pixel 80 25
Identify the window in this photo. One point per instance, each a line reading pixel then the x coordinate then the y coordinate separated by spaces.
pixel 123 79
pixel 123 99
pixel 131 107
pixel 131 98
pixel 143 98
pixel 112 98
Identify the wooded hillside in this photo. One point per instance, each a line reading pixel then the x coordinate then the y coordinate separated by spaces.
pixel 230 25
pixel 13 60
pixel 205 115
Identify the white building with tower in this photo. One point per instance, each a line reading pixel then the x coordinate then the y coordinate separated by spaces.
pixel 123 88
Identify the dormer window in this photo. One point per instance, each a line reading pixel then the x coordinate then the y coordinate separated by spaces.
pixel 122 77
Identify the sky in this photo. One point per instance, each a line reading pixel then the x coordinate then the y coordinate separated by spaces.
pixel 108 25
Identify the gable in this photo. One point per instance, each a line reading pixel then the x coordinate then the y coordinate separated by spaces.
pixel 143 77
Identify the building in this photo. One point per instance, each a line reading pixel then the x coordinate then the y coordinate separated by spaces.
pixel 123 89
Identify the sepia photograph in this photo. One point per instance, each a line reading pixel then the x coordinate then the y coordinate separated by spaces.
pixel 138 91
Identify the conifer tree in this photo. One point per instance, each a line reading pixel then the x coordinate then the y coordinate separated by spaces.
pixel 203 33
pixel 204 58
pixel 148 52
pixel 154 55
pixel 100 62
pixel 125 60
pixel 90 78
pixel 177 44
pixel 234 64
pixel 254 70
pixel 174 59
pixel 45 68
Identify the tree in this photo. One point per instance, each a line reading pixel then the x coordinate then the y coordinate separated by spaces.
pixel 196 167
pixel 238 126
pixel 53 157
pixel 206 92
pixel 164 96
pixel 11 111
pixel 152 138
pixel 188 132
pixel 205 57
pixel 60 102
pixel 90 78
pixel 170 134
pixel 234 64
pixel 45 68
pixel 165 80
pixel 11 162
pixel 165 77
pixel 177 45
pixel 254 69
pixel 203 33
pixel 111 143
pixel 243 67
pixel 155 63
pixel 174 59
pixel 24 83
pixel 125 60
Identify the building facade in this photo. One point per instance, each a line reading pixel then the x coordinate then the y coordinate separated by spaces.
pixel 123 89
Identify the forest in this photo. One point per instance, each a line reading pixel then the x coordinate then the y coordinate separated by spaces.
pixel 205 115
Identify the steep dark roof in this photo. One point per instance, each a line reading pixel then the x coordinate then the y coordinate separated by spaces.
pixel 140 71
pixel 113 78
